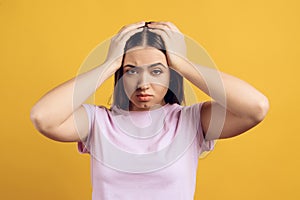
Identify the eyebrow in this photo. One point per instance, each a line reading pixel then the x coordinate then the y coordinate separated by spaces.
pixel 152 65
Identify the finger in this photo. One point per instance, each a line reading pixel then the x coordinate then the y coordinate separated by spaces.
pixel 162 32
pixel 162 24
pixel 132 26
pixel 165 35
pixel 163 27
pixel 127 29
pixel 124 36
pixel 171 40
pixel 172 26
pixel 119 41
pixel 170 33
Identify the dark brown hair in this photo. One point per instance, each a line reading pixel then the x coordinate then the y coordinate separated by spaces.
pixel 147 38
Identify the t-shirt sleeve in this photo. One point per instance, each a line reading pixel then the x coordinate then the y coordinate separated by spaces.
pixel 203 144
pixel 84 146
pixel 207 145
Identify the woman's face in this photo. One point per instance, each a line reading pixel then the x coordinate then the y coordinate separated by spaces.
pixel 146 78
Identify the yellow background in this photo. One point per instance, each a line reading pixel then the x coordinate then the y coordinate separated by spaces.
pixel 43 43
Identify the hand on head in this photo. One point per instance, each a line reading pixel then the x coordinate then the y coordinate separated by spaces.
pixel 174 41
pixel 117 44
pixel 172 37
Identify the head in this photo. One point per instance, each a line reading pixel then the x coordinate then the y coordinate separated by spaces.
pixel 144 79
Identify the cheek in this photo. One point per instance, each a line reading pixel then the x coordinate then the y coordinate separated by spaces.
pixel 129 86
pixel 163 90
pixel 163 81
pixel 161 87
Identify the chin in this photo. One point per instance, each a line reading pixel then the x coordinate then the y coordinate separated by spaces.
pixel 143 106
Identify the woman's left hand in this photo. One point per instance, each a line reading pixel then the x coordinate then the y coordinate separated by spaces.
pixel 174 42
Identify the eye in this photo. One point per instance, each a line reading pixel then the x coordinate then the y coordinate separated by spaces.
pixel 156 71
pixel 131 71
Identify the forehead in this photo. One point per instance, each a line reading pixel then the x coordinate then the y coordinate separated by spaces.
pixel 143 56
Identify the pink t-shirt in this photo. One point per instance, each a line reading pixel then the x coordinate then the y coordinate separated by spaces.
pixel 144 155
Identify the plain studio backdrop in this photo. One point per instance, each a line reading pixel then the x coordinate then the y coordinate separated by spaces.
pixel 43 43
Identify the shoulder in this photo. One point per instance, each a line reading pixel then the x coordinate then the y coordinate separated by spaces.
pixel 96 112
pixel 187 113
pixel 193 109
pixel 95 108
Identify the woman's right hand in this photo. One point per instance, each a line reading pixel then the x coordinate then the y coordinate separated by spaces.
pixel 117 44
pixel 59 114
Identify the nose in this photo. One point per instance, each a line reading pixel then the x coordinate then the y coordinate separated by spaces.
pixel 143 82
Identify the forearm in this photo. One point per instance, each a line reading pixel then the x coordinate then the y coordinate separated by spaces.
pixel 234 94
pixel 59 103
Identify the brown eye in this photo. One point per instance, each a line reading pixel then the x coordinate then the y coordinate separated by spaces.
pixel 156 71
pixel 131 71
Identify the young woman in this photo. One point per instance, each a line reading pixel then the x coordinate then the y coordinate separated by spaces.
pixel 146 146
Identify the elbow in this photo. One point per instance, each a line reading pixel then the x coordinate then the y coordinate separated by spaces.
pixel 41 126
pixel 39 121
pixel 46 128
pixel 261 109
pixel 34 117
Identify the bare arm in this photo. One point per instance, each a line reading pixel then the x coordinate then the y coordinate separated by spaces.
pixel 236 103
pixel 59 114
pixel 237 106
pixel 54 114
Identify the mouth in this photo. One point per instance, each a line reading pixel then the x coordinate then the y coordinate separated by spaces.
pixel 144 97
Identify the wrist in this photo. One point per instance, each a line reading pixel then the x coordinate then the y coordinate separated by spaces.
pixel 111 66
pixel 178 63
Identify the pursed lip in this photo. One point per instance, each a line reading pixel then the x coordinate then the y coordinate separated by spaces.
pixel 144 95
